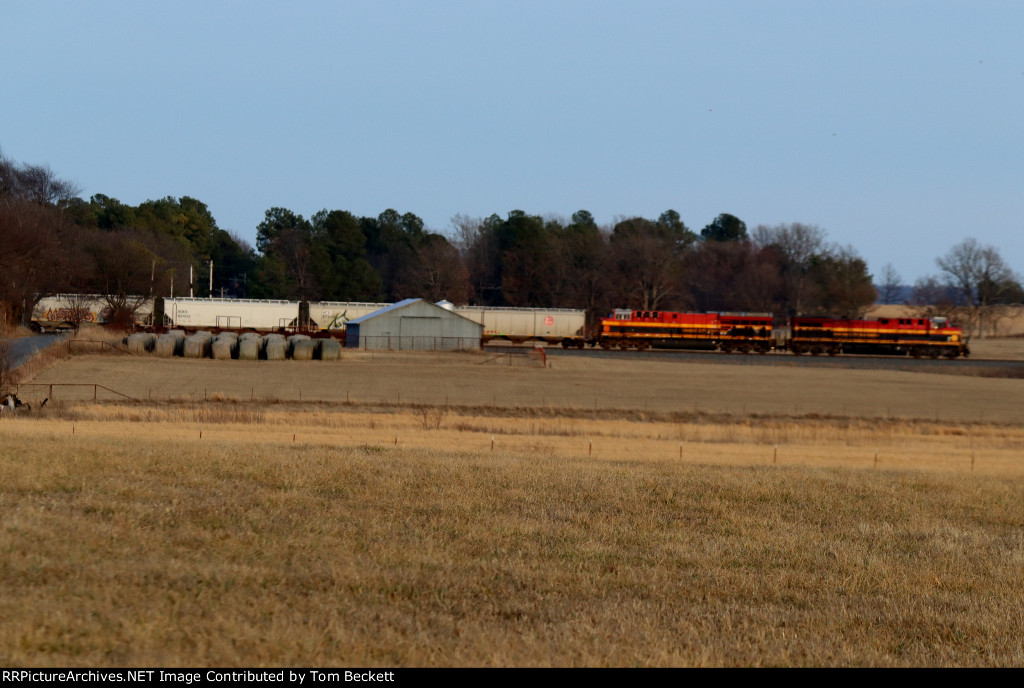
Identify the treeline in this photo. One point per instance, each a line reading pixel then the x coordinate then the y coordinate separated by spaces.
pixel 55 242
pixel 52 241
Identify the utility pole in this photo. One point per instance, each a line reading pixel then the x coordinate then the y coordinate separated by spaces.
pixel 211 279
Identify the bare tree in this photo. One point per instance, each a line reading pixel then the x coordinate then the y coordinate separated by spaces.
pixel 932 298
pixel 34 183
pixel 797 244
pixel 127 272
pixel 982 280
pixel 437 272
pixel 648 258
pixel 465 230
pixel 889 286
pixel 30 256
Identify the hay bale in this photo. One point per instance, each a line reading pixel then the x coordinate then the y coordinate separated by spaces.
pixel 274 347
pixel 141 342
pixel 302 349
pixel 198 345
pixel 249 347
pixel 328 349
pixel 293 340
pixel 168 345
pixel 225 348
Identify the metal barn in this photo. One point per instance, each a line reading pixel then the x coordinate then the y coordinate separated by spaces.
pixel 413 325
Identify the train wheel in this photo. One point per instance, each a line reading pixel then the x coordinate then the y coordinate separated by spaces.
pixel 934 352
pixel 915 352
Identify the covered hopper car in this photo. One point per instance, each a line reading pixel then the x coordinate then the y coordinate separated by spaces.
pixel 518 325
pixel 230 314
pixel 68 311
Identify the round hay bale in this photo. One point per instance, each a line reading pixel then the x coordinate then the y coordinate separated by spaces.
pixel 328 349
pixel 292 339
pixel 198 346
pixel 168 345
pixel 224 348
pixel 302 349
pixel 141 342
pixel 249 348
pixel 274 347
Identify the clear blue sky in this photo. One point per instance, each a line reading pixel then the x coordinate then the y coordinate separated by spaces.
pixel 896 126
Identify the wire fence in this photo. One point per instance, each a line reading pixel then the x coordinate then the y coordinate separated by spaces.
pixel 532 358
pixel 412 343
pixel 77 391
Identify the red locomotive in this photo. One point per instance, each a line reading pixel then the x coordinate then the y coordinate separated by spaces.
pixel 900 336
pixel 753 332
pixel 744 332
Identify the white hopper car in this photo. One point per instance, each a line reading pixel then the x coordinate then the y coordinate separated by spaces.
pixel 63 311
pixel 332 315
pixel 230 314
pixel 261 314
pixel 517 325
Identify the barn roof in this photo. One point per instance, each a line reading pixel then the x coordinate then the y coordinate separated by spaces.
pixel 404 304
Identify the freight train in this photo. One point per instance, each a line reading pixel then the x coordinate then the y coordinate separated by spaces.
pixel 623 329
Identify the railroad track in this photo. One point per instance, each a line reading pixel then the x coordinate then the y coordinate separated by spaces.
pixel 997 367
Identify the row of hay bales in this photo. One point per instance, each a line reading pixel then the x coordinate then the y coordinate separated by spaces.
pixel 248 346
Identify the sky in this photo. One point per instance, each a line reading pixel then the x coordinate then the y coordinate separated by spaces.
pixel 895 126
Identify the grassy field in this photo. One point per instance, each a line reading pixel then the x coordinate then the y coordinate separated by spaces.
pixel 568 383
pixel 1006 348
pixel 436 512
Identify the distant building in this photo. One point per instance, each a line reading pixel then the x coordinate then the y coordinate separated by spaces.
pixel 413 325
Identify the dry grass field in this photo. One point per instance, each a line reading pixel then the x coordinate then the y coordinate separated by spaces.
pixel 435 511
pixel 612 384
